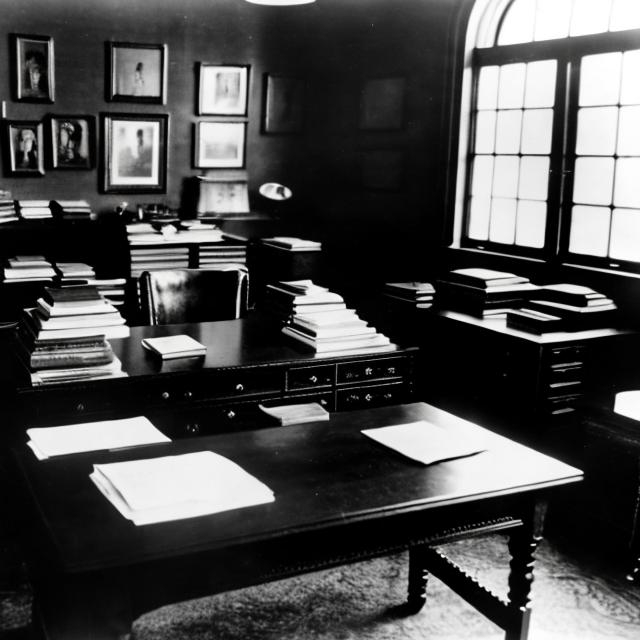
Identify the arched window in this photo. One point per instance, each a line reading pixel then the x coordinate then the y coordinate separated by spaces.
pixel 553 148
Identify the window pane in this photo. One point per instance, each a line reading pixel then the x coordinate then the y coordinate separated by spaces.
pixel 508 131
pixel 511 90
pixel 630 91
pixel 625 235
pixel 600 79
pixel 597 131
pixel 540 85
pixel 488 88
pixel 517 25
pixel 536 130
pixel 534 178
pixel 590 16
pixel 482 176
pixel 625 14
pixel 503 221
pixel 479 209
pixel 627 191
pixel 589 230
pixel 530 223
pixel 505 177
pixel 485 131
pixel 629 132
pixel 593 181
pixel 552 19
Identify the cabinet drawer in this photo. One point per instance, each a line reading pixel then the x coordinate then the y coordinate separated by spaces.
pixel 373 396
pixel 565 373
pixel 382 369
pixel 571 354
pixel 310 377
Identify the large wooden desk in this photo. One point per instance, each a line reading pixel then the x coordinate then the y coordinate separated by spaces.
pixel 248 361
pixel 340 497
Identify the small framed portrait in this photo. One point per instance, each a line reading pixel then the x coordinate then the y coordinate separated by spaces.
pixel 33 76
pixel 382 104
pixel 24 144
pixel 72 142
pixel 283 104
pixel 134 153
pixel 222 89
pixel 137 72
pixel 219 145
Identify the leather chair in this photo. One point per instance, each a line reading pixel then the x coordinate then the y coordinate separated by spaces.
pixel 193 295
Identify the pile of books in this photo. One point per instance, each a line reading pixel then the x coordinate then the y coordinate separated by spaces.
pixel 25 268
pixel 71 209
pixel 222 253
pixel 64 338
pixel 564 307
pixel 483 292
pixel 74 273
pixel 288 243
pixel 113 289
pixel 8 211
pixel 416 294
pixel 34 209
pixel 319 320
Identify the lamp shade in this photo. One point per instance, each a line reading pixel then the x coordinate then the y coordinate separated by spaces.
pixel 275 191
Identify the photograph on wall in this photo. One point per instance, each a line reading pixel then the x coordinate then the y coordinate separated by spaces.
pixel 382 104
pixel 223 90
pixel 23 143
pixel 72 142
pixel 33 69
pixel 283 104
pixel 135 152
pixel 137 72
pixel 219 145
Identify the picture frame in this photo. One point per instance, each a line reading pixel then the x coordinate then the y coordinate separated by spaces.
pixel 134 152
pixel 382 104
pixel 24 147
pixel 223 90
pixel 219 144
pixel 71 141
pixel 33 68
pixel 137 72
pixel 283 110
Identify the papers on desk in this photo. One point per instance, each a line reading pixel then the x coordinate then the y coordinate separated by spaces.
pixel 287 414
pixel 93 436
pixel 627 403
pixel 424 442
pixel 177 487
pixel 178 346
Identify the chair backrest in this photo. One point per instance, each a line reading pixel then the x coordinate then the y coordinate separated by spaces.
pixel 194 295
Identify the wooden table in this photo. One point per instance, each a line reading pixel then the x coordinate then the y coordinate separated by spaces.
pixel 340 498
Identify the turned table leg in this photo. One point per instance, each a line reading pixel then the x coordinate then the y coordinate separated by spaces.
pixel 418 577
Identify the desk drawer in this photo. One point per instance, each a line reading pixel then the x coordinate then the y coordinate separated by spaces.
pixel 311 377
pixel 381 369
pixel 371 396
pixel 573 354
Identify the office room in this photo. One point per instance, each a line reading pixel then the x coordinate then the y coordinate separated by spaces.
pixel 369 266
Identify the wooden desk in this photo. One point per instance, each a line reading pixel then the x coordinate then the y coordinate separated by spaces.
pixel 248 361
pixel 340 497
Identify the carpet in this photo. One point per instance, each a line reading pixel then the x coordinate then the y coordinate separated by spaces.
pixel 570 602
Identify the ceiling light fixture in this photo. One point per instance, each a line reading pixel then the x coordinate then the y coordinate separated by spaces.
pixel 281 3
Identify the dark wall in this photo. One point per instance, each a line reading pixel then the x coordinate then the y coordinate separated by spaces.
pixel 337 45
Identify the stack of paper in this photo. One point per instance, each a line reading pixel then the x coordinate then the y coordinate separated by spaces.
pixel 424 442
pixel 627 403
pixel 93 436
pixel 176 487
pixel 297 413
pixel 178 346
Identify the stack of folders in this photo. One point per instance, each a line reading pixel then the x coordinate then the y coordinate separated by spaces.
pixel 29 268
pixel 177 346
pixel 483 292
pixel 176 487
pixel 415 294
pixel 296 413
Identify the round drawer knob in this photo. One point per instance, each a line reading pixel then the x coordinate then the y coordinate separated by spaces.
pixel 188 395
pixel 193 428
pixel 239 387
pixel 165 395
pixel 80 406
pixel 368 397
pixel 313 379
pixel 231 414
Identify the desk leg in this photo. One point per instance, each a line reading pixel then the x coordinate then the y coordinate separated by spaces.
pixel 418 576
pixel 634 544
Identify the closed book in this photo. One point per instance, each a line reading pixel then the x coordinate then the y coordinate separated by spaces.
pixel 84 320
pixel 534 321
pixel 69 358
pixel 327 318
pixel 74 308
pixel 75 374
pixel 72 293
pixel 177 346
pixel 479 277
pixel 359 328
pixel 524 290
pixel 296 413
pixel 292 244
pixel 409 290
pixel 113 331
pixel 313 297
pixel 572 294
pixel 337 344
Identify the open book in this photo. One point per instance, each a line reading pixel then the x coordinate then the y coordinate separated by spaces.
pixel 177 487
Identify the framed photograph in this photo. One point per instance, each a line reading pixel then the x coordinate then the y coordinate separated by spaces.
pixel 24 146
pixel 382 104
pixel 283 104
pixel 219 145
pixel 33 76
pixel 72 142
pixel 137 72
pixel 222 89
pixel 134 152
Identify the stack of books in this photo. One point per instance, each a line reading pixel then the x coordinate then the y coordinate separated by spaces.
pixel 8 211
pixel 284 299
pixel 564 307
pixel 71 209
pixel 34 209
pixel 288 243
pixel 416 294
pixel 152 251
pixel 29 269
pixel 222 253
pixel 74 273
pixel 113 289
pixel 483 292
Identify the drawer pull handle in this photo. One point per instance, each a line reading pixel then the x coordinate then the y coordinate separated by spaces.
pixel 231 414
pixel 391 371
pixel 188 395
pixel 80 406
pixel 368 371
pixel 313 379
pixel 239 387
pixel 165 395
pixel 368 397
pixel 193 428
